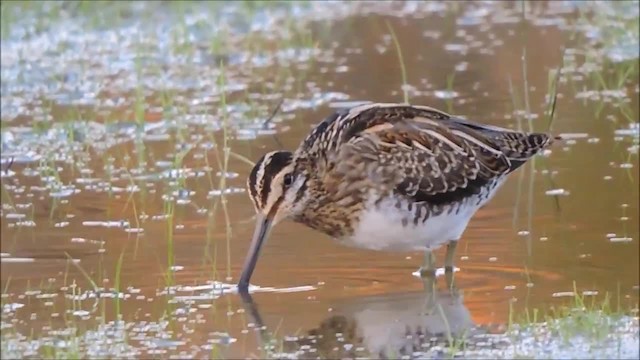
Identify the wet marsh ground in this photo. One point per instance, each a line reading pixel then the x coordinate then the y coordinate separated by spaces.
pixel 128 130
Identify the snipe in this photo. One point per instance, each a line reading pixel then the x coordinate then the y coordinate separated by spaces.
pixel 391 177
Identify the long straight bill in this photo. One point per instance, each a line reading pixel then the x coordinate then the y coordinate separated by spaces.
pixel 263 227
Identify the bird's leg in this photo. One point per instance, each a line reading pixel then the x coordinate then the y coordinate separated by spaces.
pixel 451 285
pixel 448 266
pixel 429 291
pixel 448 259
pixel 429 266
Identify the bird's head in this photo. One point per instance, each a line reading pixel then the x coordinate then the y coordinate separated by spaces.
pixel 278 192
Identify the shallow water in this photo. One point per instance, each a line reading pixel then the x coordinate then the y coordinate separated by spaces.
pixel 124 142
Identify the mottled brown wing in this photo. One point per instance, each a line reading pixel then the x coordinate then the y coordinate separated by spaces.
pixel 420 158
pixel 518 147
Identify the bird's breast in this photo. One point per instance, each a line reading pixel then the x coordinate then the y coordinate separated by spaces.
pixel 396 224
pixel 391 222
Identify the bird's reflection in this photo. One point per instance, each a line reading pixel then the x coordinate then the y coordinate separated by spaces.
pixel 389 326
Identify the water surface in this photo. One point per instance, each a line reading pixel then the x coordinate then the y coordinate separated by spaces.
pixel 128 142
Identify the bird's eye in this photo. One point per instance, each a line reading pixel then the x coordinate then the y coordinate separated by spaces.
pixel 288 180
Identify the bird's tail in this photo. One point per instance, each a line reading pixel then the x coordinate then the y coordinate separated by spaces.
pixel 520 147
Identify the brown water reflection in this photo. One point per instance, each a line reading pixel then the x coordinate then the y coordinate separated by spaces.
pixel 512 250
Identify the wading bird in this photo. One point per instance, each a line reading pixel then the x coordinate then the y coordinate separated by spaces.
pixel 389 177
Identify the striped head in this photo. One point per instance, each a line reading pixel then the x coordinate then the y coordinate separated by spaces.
pixel 278 192
pixel 275 188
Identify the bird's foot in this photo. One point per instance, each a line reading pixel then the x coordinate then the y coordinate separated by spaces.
pixel 427 272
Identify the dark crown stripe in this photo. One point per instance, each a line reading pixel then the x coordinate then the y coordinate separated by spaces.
pixel 272 167
pixel 265 182
pixel 253 181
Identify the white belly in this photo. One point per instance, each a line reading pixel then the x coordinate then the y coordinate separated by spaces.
pixel 389 228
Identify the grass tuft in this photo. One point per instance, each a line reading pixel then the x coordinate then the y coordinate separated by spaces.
pixel 403 69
